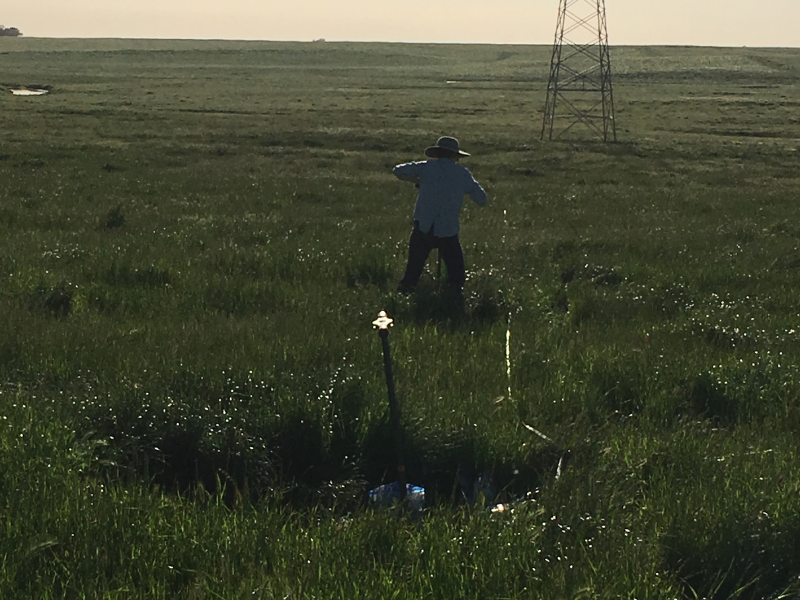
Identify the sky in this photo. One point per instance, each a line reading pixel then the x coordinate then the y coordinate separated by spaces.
pixel 630 22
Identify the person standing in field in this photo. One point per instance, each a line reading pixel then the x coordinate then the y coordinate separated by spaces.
pixel 442 184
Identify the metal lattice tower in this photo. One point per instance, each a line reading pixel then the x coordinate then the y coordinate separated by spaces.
pixel 580 72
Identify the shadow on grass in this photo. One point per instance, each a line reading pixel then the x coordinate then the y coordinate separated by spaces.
pixel 455 467
pixel 700 397
pixel 374 271
pixel 307 457
pixel 431 303
pixel 54 301
pixel 740 557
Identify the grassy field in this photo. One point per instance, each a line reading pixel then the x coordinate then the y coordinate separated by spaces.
pixel 197 236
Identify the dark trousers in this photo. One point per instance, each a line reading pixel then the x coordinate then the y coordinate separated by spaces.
pixel 419 248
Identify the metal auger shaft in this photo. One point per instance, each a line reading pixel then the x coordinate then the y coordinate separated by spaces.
pixel 383 323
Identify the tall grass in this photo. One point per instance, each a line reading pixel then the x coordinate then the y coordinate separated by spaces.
pixel 192 395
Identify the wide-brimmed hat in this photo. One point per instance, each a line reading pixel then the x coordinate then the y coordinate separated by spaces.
pixel 448 144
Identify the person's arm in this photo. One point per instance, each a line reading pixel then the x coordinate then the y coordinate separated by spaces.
pixel 475 191
pixel 408 172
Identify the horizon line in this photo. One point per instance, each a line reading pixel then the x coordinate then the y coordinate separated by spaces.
pixel 345 41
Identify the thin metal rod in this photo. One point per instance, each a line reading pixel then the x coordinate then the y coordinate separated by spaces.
pixel 394 412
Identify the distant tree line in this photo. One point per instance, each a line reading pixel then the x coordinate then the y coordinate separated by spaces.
pixel 10 31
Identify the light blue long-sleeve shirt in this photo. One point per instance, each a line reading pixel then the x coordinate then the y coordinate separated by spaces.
pixel 442 186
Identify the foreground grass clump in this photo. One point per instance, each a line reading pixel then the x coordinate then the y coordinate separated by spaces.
pixel 192 400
